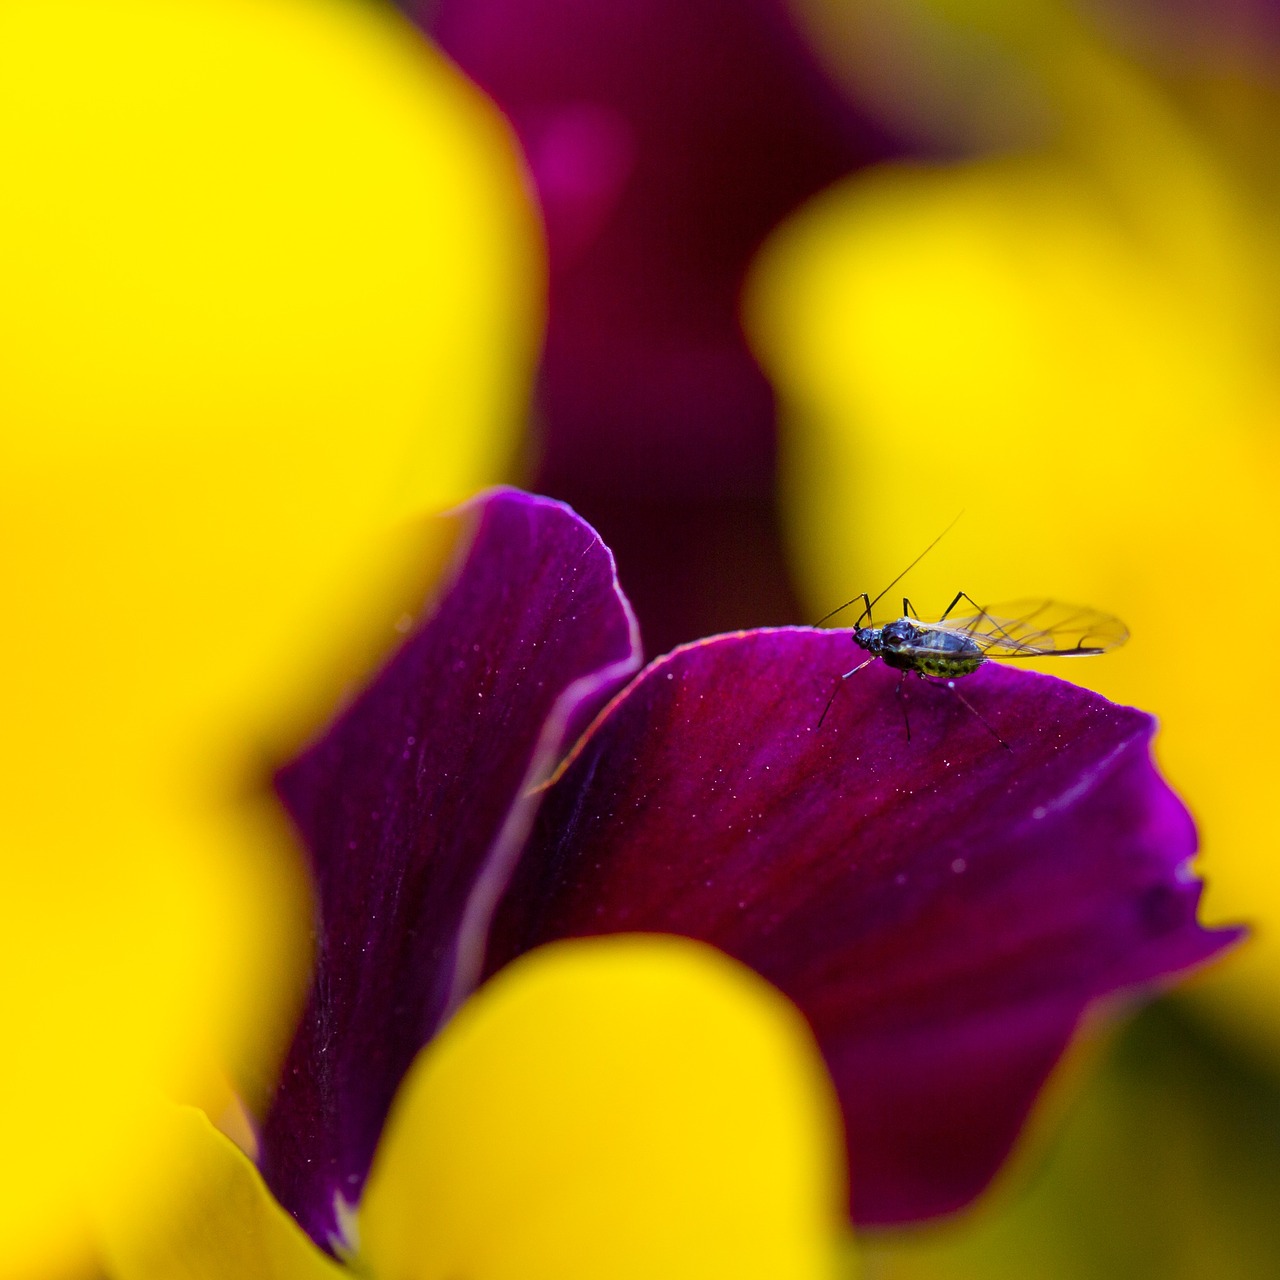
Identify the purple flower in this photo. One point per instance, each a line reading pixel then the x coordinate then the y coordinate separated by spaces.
pixel 941 910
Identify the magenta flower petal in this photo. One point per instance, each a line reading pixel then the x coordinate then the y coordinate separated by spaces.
pixel 942 909
pixel 415 805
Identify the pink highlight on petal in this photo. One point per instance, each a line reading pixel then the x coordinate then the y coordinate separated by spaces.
pixel 582 157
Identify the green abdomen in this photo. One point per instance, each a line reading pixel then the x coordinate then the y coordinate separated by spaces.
pixel 947 655
pixel 948 665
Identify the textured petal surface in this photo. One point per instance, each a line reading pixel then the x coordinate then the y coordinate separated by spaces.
pixel 415 805
pixel 941 909
pixel 618 1109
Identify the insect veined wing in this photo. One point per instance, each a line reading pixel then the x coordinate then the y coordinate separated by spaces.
pixel 1037 628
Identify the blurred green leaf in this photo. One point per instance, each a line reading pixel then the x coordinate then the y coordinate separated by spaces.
pixel 1167 1165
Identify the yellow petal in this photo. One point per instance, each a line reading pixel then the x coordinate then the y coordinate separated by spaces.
pixel 618 1108
pixel 271 289
pixel 214 1218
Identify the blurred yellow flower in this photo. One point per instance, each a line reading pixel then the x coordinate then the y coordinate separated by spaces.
pixel 622 1107
pixel 1073 341
pixel 272 289
pixel 629 1107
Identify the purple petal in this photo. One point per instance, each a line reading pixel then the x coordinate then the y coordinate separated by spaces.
pixel 942 909
pixel 415 806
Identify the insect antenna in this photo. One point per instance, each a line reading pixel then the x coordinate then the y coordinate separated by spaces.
pixel 869 605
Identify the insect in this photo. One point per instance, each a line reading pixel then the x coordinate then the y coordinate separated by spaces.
pixel 957 644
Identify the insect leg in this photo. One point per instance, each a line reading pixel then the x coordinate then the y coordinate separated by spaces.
pixel 986 724
pixel 979 615
pixel 839 686
pixel 961 595
pixel 902 704
pixel 907 610
pixel 866 609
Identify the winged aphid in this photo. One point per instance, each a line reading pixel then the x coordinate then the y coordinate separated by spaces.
pixel 957 644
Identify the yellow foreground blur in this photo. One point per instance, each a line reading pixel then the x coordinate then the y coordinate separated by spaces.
pixel 272 289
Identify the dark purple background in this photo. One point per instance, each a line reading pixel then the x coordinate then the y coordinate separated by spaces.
pixel 667 138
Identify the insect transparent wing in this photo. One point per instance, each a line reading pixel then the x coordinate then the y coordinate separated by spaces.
pixel 1036 628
